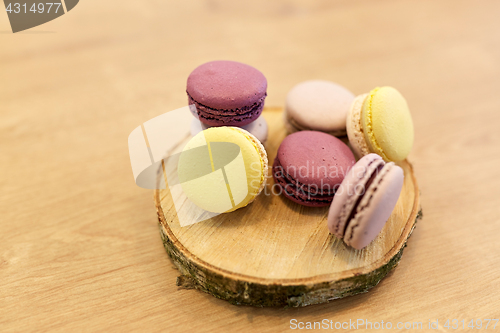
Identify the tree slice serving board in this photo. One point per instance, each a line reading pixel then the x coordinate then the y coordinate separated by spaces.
pixel 275 252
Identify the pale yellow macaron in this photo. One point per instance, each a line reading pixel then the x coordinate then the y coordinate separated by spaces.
pixel 380 122
pixel 222 169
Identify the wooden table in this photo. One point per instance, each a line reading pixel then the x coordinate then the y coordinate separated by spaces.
pixel 79 243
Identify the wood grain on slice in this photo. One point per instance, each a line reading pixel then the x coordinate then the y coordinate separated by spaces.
pixel 276 252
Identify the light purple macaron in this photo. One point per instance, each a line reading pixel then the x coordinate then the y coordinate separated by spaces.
pixel 257 128
pixel 365 200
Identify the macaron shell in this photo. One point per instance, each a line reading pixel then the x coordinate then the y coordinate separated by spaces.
pixel 349 191
pixel 292 126
pixel 376 207
pixel 354 128
pixel 387 124
pixel 257 128
pixel 226 85
pixel 318 105
pixel 264 166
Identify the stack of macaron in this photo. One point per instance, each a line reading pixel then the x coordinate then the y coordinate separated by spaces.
pixel 227 93
pixel 313 166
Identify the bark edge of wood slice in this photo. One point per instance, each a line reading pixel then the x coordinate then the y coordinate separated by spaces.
pixel 277 253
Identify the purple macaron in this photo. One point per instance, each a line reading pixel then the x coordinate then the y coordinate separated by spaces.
pixel 365 200
pixel 227 93
pixel 310 166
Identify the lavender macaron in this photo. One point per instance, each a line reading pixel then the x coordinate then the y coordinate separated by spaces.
pixel 365 200
pixel 227 93
pixel 310 166
pixel 257 128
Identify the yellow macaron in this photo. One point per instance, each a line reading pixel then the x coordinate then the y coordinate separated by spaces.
pixel 380 122
pixel 222 169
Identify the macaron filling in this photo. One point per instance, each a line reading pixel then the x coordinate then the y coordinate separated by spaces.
pixel 227 117
pixel 298 192
pixel 355 221
pixel 368 124
pixel 351 192
pixel 354 209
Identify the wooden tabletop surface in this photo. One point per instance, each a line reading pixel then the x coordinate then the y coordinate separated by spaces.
pixel 79 243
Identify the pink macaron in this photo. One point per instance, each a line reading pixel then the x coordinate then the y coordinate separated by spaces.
pixel 365 200
pixel 226 93
pixel 310 166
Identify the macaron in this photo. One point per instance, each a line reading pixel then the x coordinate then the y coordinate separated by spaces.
pixel 365 200
pixel 227 93
pixel 222 169
pixel 380 122
pixel 309 167
pixel 318 105
pixel 257 128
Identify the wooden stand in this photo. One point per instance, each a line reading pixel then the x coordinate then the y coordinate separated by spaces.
pixel 275 252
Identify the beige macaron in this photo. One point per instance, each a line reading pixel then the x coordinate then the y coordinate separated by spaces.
pixel 318 105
